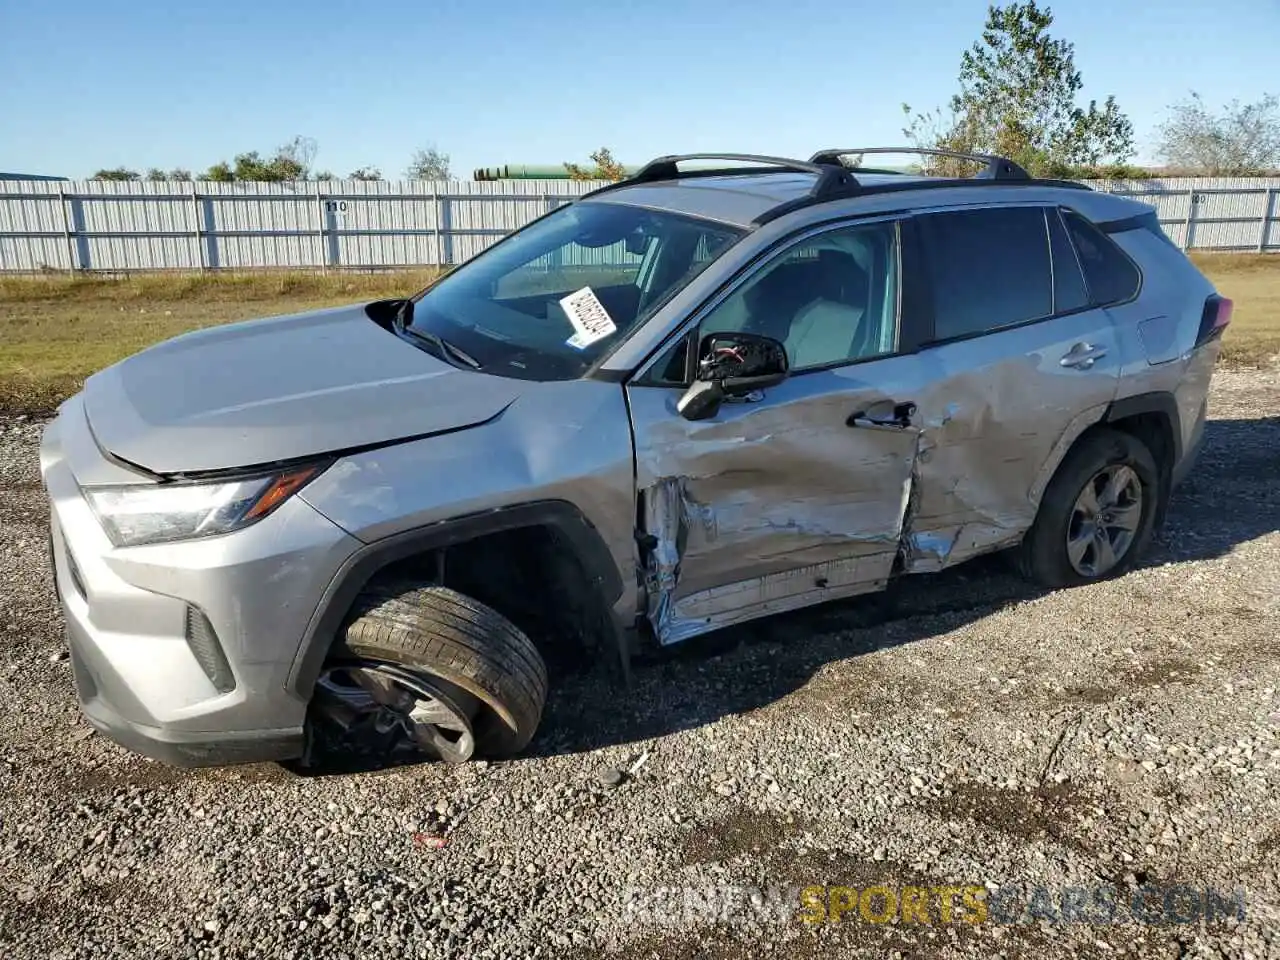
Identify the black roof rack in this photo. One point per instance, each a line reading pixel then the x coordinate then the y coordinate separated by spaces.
pixel 833 178
pixel 996 168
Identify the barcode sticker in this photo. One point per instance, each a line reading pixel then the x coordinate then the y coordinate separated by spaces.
pixel 591 321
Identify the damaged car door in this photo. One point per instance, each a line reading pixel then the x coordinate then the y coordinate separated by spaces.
pixel 777 498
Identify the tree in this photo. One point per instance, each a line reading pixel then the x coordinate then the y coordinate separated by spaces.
pixel 365 173
pixel 220 172
pixel 1241 139
pixel 606 168
pixel 177 173
pixel 1018 89
pixel 119 173
pixel 428 164
pixel 292 161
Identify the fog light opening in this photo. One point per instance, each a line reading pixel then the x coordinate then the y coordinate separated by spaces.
pixel 204 645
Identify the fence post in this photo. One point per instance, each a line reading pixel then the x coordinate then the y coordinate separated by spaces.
pixel 66 229
pixel 444 228
pixel 320 240
pixel 1191 220
pixel 1268 211
pixel 195 225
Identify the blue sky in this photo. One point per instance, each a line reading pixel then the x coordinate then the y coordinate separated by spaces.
pixel 101 84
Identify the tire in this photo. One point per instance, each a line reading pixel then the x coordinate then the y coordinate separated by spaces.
pixel 445 634
pixel 1043 556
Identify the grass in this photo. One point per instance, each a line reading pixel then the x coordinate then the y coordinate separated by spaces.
pixel 55 331
pixel 1252 281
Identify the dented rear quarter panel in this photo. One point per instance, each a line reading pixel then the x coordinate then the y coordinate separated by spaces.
pixel 1158 331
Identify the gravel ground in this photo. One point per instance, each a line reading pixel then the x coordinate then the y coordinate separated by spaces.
pixel 961 731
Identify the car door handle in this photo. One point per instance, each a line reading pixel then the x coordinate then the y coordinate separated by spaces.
pixel 897 419
pixel 1083 356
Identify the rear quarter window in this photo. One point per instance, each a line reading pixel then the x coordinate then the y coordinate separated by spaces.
pixel 1111 276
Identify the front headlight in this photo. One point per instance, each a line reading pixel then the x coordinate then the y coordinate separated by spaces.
pixel 184 510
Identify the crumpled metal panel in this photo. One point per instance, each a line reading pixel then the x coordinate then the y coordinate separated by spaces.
pixel 778 505
pixel 766 508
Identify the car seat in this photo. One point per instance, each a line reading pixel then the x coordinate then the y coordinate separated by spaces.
pixel 831 325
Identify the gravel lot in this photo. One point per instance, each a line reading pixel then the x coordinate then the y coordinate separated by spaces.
pixel 963 730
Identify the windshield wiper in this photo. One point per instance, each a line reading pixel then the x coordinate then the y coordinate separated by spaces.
pixel 443 347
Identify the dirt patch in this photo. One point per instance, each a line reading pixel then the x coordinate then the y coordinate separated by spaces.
pixel 742 833
pixel 1158 673
pixel 1045 813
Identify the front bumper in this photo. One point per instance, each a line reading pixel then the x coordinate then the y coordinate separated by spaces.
pixel 144 677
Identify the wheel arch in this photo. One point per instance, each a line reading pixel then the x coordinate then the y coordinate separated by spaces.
pixel 1151 417
pixel 603 579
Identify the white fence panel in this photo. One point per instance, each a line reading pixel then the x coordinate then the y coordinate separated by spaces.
pixel 120 227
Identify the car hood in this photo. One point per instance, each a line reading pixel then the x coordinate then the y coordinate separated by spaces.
pixel 253 393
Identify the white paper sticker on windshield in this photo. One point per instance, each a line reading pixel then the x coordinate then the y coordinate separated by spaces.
pixel 591 321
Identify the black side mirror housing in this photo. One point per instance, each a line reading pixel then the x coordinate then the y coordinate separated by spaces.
pixel 732 365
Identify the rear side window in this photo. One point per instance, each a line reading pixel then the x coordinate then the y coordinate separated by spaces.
pixel 990 269
pixel 1111 276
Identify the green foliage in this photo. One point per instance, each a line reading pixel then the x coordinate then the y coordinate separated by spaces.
pixel 292 161
pixel 605 168
pixel 365 173
pixel 220 172
pixel 428 164
pixel 119 173
pixel 1241 139
pixel 177 173
pixel 1017 98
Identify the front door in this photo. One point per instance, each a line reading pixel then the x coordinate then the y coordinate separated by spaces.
pixel 797 494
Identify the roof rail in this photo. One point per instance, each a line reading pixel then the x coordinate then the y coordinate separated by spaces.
pixel 832 177
pixel 997 168
pixel 667 168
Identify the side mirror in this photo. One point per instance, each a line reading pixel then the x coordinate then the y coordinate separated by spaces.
pixel 732 365
pixel 636 243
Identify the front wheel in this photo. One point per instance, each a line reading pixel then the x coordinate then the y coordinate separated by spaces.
pixel 428 670
pixel 1097 515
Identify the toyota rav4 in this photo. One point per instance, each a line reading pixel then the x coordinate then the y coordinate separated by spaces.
pixel 727 387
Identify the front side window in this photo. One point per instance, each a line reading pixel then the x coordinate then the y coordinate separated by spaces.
pixel 831 299
pixel 548 301
pixel 990 269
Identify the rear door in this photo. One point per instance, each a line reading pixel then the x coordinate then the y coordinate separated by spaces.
pixel 1018 365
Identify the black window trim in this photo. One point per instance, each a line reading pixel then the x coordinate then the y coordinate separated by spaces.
pixel 913 315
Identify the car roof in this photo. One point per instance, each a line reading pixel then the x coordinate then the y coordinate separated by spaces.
pixel 737 199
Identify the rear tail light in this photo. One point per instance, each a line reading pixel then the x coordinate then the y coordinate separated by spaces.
pixel 1214 319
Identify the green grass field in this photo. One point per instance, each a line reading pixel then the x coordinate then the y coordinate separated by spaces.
pixel 55 331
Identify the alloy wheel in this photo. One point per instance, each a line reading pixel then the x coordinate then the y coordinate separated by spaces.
pixel 389 707
pixel 1105 520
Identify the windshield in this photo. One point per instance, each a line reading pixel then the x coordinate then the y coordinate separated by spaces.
pixel 548 301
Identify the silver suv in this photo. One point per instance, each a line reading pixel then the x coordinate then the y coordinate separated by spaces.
pixel 728 387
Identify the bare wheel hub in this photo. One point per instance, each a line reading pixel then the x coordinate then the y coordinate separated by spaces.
pixel 1104 521
pixel 387 706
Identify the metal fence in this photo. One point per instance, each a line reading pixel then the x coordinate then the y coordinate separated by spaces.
pixel 121 227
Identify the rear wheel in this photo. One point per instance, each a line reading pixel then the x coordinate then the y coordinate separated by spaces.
pixel 429 671
pixel 1097 515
